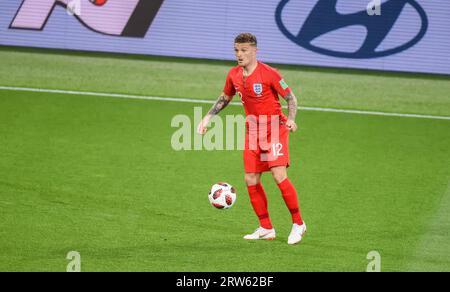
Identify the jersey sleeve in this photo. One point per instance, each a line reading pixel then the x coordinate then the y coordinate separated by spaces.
pixel 229 89
pixel 278 83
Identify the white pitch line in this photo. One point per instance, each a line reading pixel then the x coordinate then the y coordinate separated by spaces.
pixel 193 100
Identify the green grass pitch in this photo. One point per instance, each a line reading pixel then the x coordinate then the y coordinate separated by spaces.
pixel 98 175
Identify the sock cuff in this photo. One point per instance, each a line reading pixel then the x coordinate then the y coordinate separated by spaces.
pixel 257 187
pixel 260 187
pixel 252 188
pixel 285 183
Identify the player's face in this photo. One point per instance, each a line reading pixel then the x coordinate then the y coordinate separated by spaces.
pixel 245 54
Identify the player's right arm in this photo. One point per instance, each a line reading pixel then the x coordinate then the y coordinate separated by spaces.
pixel 224 99
pixel 220 104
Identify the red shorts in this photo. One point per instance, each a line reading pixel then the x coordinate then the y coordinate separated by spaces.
pixel 262 154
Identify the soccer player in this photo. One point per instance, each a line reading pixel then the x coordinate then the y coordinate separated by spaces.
pixel 267 132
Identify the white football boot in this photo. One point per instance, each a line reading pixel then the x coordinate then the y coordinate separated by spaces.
pixel 297 233
pixel 261 233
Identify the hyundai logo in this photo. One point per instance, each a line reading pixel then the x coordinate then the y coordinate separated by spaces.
pixel 325 18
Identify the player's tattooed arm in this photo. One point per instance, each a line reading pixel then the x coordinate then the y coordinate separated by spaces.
pixel 292 110
pixel 220 104
pixel 292 105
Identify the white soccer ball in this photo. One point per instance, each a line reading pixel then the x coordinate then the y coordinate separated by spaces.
pixel 222 195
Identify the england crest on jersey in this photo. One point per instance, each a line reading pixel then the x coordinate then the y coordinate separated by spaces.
pixel 257 88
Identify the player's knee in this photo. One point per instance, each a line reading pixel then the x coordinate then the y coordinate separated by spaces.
pixel 279 175
pixel 251 179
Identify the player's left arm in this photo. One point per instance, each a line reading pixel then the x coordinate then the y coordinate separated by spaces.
pixel 281 87
pixel 292 110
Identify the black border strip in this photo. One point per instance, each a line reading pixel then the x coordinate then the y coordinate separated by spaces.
pixel 142 18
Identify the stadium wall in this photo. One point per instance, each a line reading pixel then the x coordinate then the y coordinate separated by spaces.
pixel 407 35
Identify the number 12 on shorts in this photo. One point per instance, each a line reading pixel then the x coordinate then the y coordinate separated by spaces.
pixel 276 149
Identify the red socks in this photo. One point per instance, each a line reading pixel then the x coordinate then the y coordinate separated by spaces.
pixel 258 199
pixel 291 200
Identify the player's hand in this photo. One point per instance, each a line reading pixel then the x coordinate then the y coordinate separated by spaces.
pixel 292 126
pixel 201 128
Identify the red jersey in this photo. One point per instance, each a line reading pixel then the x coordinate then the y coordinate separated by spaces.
pixel 259 91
